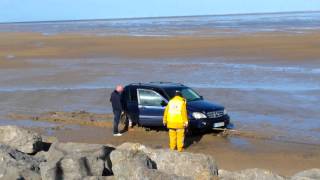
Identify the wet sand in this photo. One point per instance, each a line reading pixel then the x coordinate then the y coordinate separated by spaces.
pixel 269 82
pixel 275 46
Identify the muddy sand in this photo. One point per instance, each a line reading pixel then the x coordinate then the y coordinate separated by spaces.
pixel 269 83
pixel 275 46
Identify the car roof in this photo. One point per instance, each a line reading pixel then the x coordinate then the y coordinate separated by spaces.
pixel 158 84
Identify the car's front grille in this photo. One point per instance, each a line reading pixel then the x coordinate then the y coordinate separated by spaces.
pixel 215 114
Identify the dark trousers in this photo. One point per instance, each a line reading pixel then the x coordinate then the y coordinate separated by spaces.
pixel 116 121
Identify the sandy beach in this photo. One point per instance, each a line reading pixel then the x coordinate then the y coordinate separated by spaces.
pixel 268 81
pixel 291 48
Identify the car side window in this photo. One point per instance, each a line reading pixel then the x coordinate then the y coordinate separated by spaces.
pixel 149 98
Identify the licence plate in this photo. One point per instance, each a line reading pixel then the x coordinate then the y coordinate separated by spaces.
pixel 221 124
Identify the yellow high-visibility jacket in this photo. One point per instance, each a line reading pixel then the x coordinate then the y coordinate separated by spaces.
pixel 175 114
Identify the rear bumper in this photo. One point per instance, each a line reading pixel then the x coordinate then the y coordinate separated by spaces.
pixel 209 123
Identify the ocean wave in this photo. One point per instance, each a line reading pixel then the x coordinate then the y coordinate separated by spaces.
pixel 292 22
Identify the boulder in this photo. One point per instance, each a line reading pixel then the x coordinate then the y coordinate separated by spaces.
pixel 17 165
pixel 184 164
pixel 99 178
pixel 199 166
pixel 311 174
pixel 153 174
pixel 23 140
pixel 12 172
pixel 76 161
pixel 41 155
pixel 136 165
pixel 249 174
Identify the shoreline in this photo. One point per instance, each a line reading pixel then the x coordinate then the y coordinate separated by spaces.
pixel 163 17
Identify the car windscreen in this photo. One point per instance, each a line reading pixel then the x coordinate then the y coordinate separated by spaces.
pixel 187 93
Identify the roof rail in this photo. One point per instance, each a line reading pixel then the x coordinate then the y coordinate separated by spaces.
pixel 157 82
pixel 136 83
pixel 162 82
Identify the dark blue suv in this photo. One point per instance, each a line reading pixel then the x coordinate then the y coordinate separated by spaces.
pixel 144 104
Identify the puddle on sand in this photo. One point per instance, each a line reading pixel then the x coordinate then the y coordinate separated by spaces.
pixel 27 123
pixel 47 126
pixel 238 142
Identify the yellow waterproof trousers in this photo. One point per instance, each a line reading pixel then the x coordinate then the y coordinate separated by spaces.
pixel 176 137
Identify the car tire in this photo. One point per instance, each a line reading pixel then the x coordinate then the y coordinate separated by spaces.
pixel 189 132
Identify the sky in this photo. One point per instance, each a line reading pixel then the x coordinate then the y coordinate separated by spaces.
pixel 47 10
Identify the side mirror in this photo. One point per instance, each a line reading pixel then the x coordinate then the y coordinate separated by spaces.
pixel 163 103
pixel 201 97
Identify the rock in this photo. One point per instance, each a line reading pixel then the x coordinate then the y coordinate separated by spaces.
pixel 198 166
pixel 136 165
pixel 76 161
pixel 17 165
pixel 99 178
pixel 153 174
pixel 19 159
pixel 12 172
pixel 249 174
pixel 49 139
pixel 126 164
pixel 23 140
pixel 311 174
pixel 42 155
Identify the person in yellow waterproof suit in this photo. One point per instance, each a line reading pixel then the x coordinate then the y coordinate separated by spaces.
pixel 176 119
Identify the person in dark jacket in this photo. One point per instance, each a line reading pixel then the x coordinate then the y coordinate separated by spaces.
pixel 117 108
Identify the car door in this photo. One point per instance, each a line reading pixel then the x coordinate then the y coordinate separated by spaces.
pixel 151 107
pixel 131 103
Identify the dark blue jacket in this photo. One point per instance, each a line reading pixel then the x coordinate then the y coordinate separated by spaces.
pixel 115 100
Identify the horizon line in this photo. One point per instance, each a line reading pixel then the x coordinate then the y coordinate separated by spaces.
pixel 159 17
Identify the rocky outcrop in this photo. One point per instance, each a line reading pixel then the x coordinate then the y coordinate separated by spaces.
pixel 18 165
pixel 312 174
pixel 249 174
pixel 198 166
pixel 23 140
pixel 12 172
pixel 21 159
pixel 76 161
pixel 99 178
